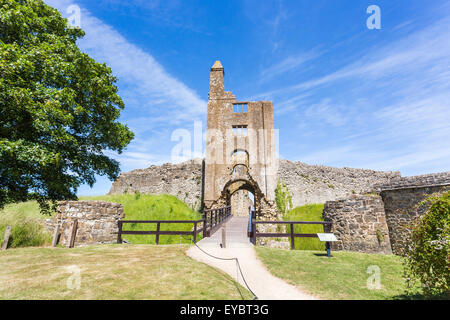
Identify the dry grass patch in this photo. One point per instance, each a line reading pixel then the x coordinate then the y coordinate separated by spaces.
pixel 112 272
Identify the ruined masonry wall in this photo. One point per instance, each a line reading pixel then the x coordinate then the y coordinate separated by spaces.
pixel 307 183
pixel 359 223
pixel 401 207
pixel 97 221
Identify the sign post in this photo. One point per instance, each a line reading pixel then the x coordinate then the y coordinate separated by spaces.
pixel 327 238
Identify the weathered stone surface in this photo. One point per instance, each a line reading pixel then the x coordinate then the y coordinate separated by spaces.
pixel 307 183
pixel 318 184
pixel 240 147
pixel 183 180
pixel 97 221
pixel 361 226
pixel 401 207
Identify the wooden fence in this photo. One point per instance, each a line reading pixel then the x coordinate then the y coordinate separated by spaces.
pixel 212 220
pixel 255 234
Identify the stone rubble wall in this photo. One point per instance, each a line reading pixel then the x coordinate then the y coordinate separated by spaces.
pixel 401 208
pixel 359 223
pixel 97 221
pixel 425 180
pixel 307 183
pixel 318 184
pixel 182 180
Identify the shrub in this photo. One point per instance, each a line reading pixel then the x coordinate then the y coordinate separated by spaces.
pixel 428 251
pixel 283 198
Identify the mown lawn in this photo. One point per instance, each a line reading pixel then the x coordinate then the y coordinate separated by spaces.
pixel 112 272
pixel 344 276
pixel 27 229
pixel 309 212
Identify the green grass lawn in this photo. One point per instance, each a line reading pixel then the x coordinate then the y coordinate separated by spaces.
pixel 344 276
pixel 113 272
pixel 26 221
pixel 309 212
pixel 153 207
pixel 27 230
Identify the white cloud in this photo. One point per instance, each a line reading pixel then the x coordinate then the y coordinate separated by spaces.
pixel 146 80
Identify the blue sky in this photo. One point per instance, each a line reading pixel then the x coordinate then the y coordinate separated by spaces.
pixel 344 95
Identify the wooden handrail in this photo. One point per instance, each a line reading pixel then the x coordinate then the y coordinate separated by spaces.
pixel 291 234
pixel 216 219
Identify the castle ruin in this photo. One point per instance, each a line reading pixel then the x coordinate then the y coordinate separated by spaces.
pixel 240 149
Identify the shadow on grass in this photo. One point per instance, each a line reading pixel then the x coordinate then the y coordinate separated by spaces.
pixel 322 255
pixel 421 296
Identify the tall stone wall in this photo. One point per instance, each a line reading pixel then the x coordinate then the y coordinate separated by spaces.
pixel 318 184
pixel 359 223
pixel 307 183
pixel 97 221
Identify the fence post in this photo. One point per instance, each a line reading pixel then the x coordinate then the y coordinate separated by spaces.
pixel 119 234
pixel 157 232
pixel 204 224
pixel 224 233
pixel 292 237
pixel 195 232
pixel 254 231
pixel 55 236
pixel 73 233
pixel 211 213
pixel 6 238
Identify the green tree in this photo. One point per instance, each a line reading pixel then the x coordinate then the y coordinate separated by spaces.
pixel 428 251
pixel 58 108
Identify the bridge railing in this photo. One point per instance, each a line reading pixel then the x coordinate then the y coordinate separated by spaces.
pixel 255 234
pixel 214 218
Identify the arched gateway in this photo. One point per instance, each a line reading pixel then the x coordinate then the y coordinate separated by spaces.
pixel 240 151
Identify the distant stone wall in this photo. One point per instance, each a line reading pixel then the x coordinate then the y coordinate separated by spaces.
pixel 425 180
pixel 359 223
pixel 307 183
pixel 182 180
pixel 97 221
pixel 401 207
pixel 318 184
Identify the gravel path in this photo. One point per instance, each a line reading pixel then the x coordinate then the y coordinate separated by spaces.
pixel 260 280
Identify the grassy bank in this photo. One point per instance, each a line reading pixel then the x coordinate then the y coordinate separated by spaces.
pixel 26 222
pixel 27 228
pixel 153 207
pixel 344 276
pixel 112 272
pixel 309 212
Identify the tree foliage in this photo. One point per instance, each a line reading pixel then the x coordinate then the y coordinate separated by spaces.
pixel 59 107
pixel 428 252
pixel 283 198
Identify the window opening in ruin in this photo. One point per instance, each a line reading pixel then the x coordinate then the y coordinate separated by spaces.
pixel 240 130
pixel 239 107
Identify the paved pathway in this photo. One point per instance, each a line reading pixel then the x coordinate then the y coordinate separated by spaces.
pixel 259 279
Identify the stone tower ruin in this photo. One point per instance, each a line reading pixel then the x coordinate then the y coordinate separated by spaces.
pixel 240 149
